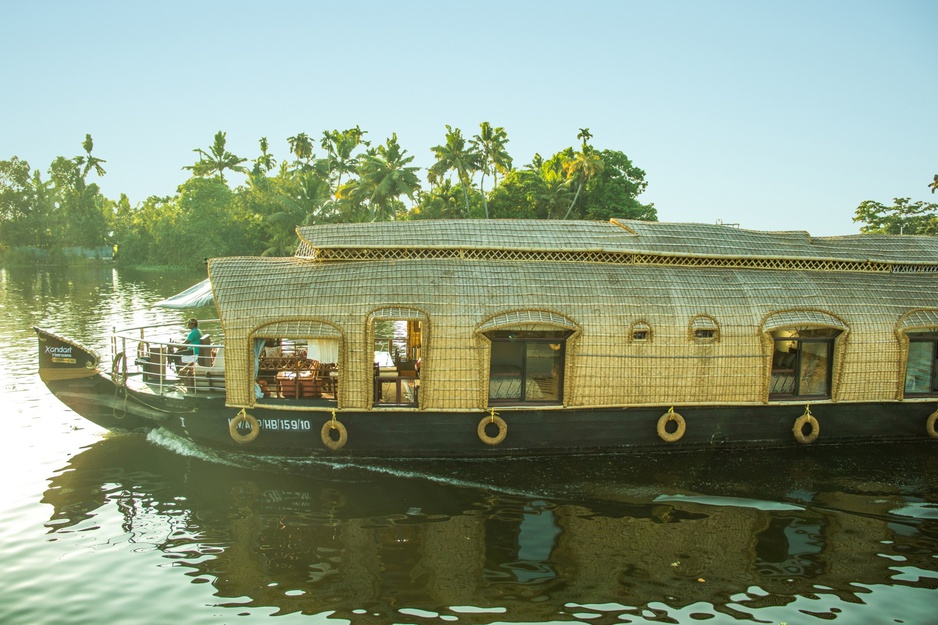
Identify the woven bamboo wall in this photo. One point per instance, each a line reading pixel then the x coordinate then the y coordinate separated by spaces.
pixel 604 300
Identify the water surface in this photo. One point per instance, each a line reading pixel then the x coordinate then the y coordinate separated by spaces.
pixel 103 528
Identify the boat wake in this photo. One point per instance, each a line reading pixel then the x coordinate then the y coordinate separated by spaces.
pixel 450 473
pixel 692 482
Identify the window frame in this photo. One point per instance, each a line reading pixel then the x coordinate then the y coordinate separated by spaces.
pixel 928 337
pixel 797 367
pixel 703 330
pixel 417 336
pixel 493 338
pixel 643 328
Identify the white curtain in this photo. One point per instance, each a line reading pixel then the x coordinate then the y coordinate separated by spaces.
pixel 323 350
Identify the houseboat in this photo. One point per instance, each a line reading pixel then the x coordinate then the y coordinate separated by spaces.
pixel 471 338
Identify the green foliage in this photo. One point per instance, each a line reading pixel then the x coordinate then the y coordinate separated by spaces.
pixel 89 162
pixel 20 223
pixel 385 176
pixel 903 217
pixel 146 235
pixel 444 201
pixel 455 155
pixel 339 146
pixel 493 156
pixel 352 182
pixel 301 146
pixel 523 194
pixel 613 192
pixel 583 184
pixel 82 216
pixel 216 160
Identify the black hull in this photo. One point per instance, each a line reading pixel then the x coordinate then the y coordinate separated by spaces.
pixel 438 434
pixel 100 401
pixel 553 432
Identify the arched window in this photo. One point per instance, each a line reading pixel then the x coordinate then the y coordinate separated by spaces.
pixel 802 353
pixel 528 354
pixel 398 337
pixel 298 360
pixel 920 329
pixel 704 329
pixel 640 332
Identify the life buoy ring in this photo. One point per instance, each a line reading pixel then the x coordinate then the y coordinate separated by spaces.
pixel 119 369
pixel 492 419
pixel 244 417
pixel 326 434
pixel 670 437
pixel 930 424
pixel 807 419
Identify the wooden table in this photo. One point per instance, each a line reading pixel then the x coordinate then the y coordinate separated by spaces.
pixel 297 384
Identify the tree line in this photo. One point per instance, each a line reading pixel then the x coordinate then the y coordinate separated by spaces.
pixel 341 177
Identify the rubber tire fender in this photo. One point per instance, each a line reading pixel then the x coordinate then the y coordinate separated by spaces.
pixel 798 429
pixel 502 430
pixel 237 436
pixel 930 424
pixel 676 435
pixel 333 424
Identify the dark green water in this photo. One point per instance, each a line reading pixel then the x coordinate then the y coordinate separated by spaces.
pixel 101 528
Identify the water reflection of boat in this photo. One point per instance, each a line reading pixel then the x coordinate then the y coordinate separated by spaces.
pixel 531 337
pixel 735 533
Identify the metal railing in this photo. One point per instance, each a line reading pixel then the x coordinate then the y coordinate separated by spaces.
pixel 144 353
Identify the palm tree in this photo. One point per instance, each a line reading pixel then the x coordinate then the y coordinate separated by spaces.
pixel 43 198
pixel 493 157
pixel 282 241
pixel 934 185
pixel 386 175
pixel 537 161
pixel 263 164
pixel 300 199
pixel 266 160
pixel 90 162
pixel 339 146
pixel 555 193
pixel 584 165
pixel 312 195
pixel 302 147
pixel 216 160
pixel 457 157
pixel 440 202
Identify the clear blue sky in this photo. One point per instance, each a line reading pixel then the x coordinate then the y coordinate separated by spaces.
pixel 773 115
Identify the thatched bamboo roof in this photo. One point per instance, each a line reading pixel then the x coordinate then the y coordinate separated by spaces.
pixel 618 237
pixel 601 280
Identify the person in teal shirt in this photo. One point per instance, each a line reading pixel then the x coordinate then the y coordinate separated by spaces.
pixel 195 335
pixel 193 338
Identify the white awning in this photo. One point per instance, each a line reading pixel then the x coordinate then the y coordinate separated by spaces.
pixel 193 297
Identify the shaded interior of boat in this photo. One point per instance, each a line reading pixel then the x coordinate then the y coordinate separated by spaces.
pixel 290 371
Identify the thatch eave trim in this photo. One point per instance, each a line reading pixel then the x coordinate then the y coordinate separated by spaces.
pixel 918 320
pixel 527 317
pixel 808 318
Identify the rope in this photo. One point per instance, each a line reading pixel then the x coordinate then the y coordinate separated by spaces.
pixel 114 405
